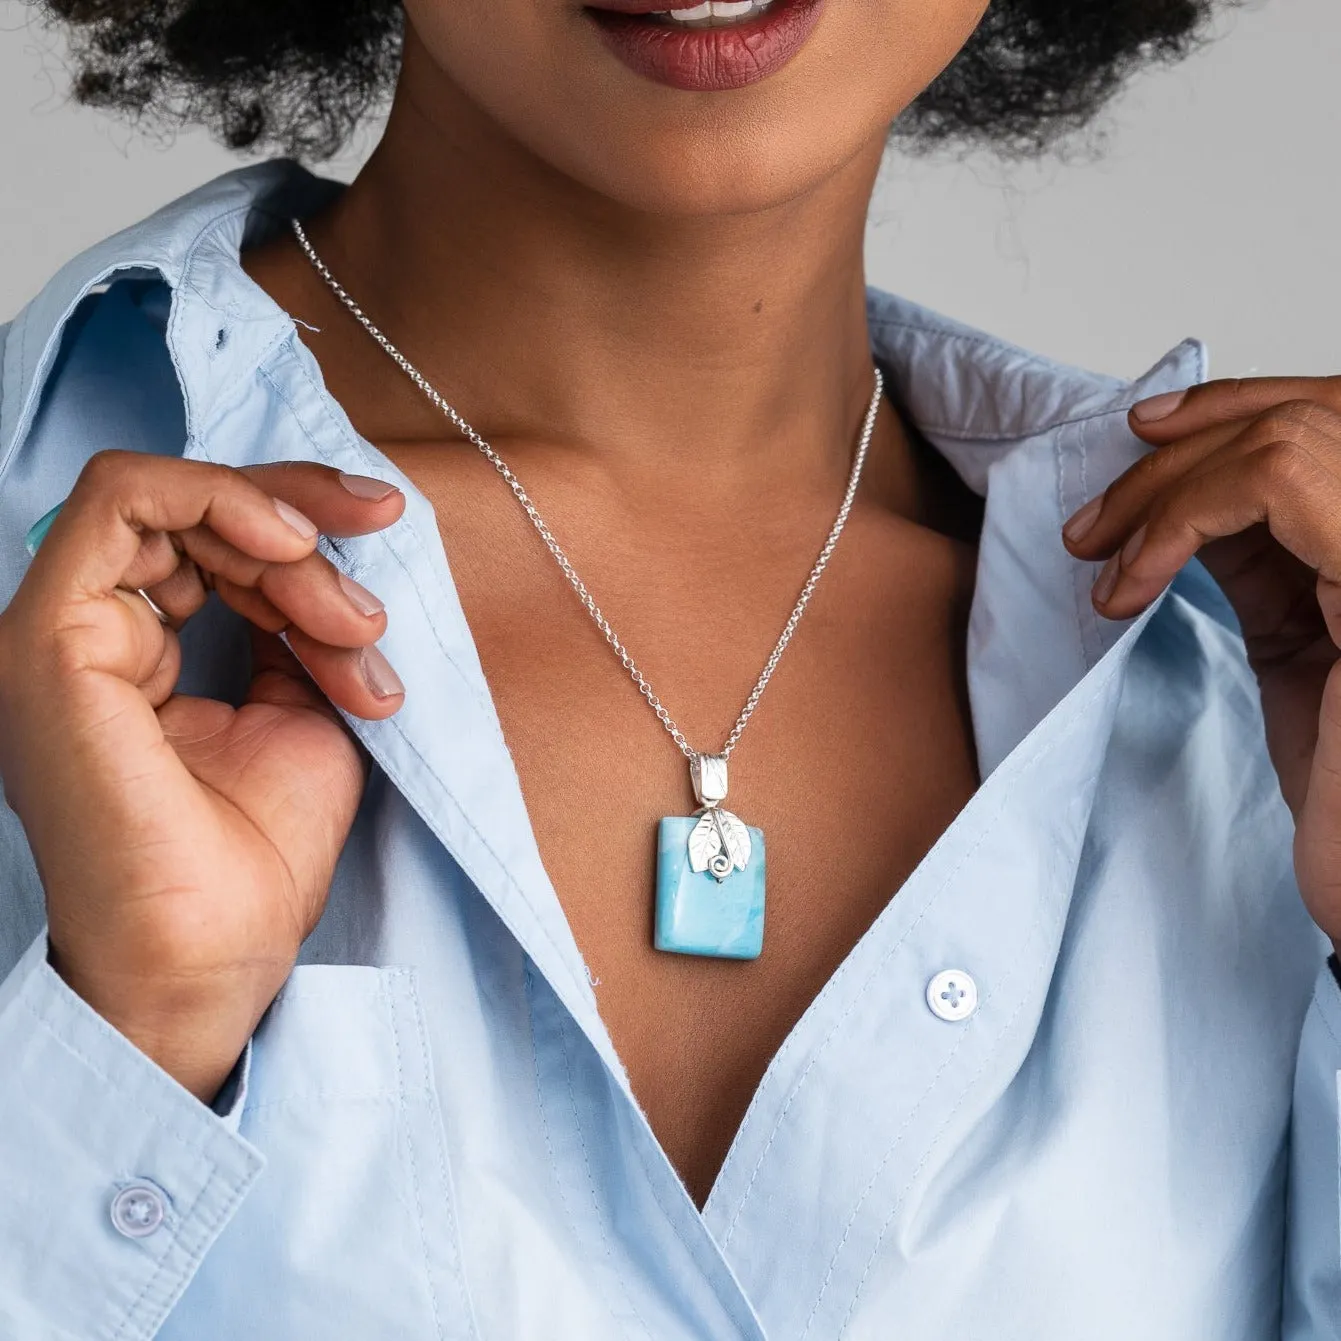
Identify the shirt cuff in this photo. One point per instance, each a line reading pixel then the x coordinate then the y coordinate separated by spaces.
pixel 114 1180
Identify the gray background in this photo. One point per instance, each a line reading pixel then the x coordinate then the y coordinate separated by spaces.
pixel 1212 212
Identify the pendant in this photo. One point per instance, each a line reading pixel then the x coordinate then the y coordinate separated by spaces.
pixel 710 875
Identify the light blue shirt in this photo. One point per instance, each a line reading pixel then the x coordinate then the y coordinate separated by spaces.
pixel 1132 1135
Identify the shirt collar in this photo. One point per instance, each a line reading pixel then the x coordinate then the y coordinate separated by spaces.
pixel 193 245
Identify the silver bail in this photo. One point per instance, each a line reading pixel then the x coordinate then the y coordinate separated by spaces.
pixel 708 774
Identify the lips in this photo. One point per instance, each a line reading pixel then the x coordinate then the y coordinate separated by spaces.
pixel 704 59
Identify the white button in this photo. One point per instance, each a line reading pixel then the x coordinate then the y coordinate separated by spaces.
pixel 952 995
pixel 138 1210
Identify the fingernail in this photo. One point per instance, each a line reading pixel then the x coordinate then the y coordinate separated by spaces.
pixel 1133 546
pixel 1107 580
pixel 365 486
pixel 378 675
pixel 1158 407
pixel 37 532
pixel 301 524
pixel 1084 520
pixel 360 597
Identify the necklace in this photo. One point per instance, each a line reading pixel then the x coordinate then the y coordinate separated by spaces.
pixel 710 865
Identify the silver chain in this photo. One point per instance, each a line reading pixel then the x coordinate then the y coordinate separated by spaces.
pixel 569 571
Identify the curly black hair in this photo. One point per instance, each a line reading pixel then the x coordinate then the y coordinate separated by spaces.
pixel 301 74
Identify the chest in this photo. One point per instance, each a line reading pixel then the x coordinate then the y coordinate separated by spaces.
pixel 858 756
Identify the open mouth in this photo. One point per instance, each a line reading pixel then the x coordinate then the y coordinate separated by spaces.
pixel 714 45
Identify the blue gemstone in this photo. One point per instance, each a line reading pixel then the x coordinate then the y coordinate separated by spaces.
pixel 697 915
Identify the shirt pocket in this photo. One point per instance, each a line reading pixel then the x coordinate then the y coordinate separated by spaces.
pixel 350 1231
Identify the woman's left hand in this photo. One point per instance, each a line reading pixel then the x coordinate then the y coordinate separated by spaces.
pixel 1247 476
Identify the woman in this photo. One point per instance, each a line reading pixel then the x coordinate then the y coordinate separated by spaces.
pixel 377 963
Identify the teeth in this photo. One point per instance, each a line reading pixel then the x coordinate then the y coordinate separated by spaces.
pixel 714 13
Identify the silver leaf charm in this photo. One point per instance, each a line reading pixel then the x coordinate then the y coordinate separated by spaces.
pixel 705 842
pixel 719 843
pixel 737 839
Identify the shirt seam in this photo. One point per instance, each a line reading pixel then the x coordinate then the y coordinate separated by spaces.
pixel 990 341
pixel 308 1097
pixel 433 1102
pixel 1033 360
pixel 1087 619
pixel 528 974
pixel 564 1044
pixel 1030 431
pixel 407 1129
pixel 157 1309
pixel 655 1175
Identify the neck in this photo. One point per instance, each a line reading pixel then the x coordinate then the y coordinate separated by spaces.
pixel 546 312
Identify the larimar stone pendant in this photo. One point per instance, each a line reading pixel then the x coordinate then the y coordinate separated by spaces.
pixel 710 875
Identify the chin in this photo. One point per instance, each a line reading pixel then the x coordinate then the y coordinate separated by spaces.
pixel 737 169
pixel 556 91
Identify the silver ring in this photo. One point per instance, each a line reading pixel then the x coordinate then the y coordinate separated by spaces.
pixel 163 617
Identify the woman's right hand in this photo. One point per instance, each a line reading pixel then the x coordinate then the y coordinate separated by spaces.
pixel 186 847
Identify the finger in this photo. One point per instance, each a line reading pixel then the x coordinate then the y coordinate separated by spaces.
pixel 324 603
pixel 340 504
pixel 148 646
pixel 359 680
pixel 252 605
pixel 1175 414
pixel 167 577
pixel 1282 485
pixel 121 495
pixel 162 680
pixel 1108 519
pixel 180 594
pixel 198 546
pixel 308 592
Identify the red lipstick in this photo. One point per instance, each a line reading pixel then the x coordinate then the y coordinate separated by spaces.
pixel 704 59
